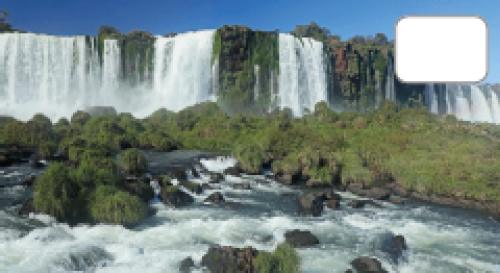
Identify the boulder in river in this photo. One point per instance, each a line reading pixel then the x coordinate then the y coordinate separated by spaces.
pixel 186 265
pixel 367 265
pixel 234 171
pixel 241 186
pixel 174 197
pixel 192 187
pixel 299 238
pixel 394 246
pixel 311 204
pixel 216 177
pixel 230 259
pixel 357 204
pixel 215 197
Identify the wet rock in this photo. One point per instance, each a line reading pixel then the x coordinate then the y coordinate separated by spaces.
pixel 27 207
pixel 186 265
pixel 299 238
pixel 215 197
pixel 396 200
pixel 288 179
pixel 367 265
pixel 174 197
pixel 331 195
pixel 30 181
pixel 394 246
pixel 195 173
pixel 311 204
pixel 206 186
pixel 36 164
pixel 313 183
pixel 179 174
pixel 333 204
pixel 270 177
pixel 222 259
pixel 241 186
pixel 216 177
pixel 357 204
pixel 378 193
pixel 144 191
pixel 192 187
pixel 234 171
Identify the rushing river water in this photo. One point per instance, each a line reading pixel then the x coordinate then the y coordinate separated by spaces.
pixel 440 239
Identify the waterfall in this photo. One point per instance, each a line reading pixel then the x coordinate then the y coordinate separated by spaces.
pixel 462 111
pixel 183 71
pixel 302 81
pixel 431 98
pixel 390 93
pixel 110 71
pixel 495 109
pixel 42 73
pixel 256 85
pixel 480 109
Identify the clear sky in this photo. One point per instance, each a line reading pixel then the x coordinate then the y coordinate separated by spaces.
pixel 345 18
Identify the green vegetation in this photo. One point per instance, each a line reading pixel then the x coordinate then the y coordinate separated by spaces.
pixel 284 259
pixel 132 161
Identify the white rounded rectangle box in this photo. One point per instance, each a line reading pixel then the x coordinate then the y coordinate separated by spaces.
pixel 441 49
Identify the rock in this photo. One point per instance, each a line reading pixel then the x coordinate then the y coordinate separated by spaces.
pixel 179 174
pixel 270 177
pixel 298 238
pixel 186 265
pixel 206 186
pixel 29 181
pixel 234 171
pixel 144 191
pixel 192 187
pixel 288 179
pixel 215 197
pixel 361 203
pixel 95 111
pixel 378 193
pixel 241 186
pixel 394 246
pixel 225 259
pixel 331 195
pixel 35 164
pixel 333 204
pixel 200 167
pixel 216 177
pixel 367 265
pixel 195 173
pixel 27 207
pixel 396 200
pixel 175 198
pixel 311 204
pixel 313 183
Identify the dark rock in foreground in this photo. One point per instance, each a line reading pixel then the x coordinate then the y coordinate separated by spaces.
pixel 180 175
pixel 357 204
pixel 186 265
pixel 234 171
pixel 367 265
pixel 225 259
pixel 144 191
pixel 311 204
pixel 175 197
pixel 215 197
pixel 298 238
pixel 27 208
pixel 394 246
pixel 241 186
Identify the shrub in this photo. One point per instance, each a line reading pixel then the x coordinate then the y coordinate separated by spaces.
pixel 288 165
pixel 284 259
pixel 55 192
pixel 250 156
pixel 113 206
pixel 62 122
pixel 80 117
pixel 42 119
pixel 133 161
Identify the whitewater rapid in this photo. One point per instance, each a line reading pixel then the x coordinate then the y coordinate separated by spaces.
pixel 440 239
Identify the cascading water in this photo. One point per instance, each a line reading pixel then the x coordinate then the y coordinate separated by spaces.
pixel 462 110
pixel 110 71
pixel 480 109
pixel 431 98
pixel 183 71
pixel 42 73
pixel 390 92
pixel 495 108
pixel 302 81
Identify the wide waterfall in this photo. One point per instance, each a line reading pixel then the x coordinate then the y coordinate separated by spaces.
pixel 390 92
pixel 431 98
pixel 60 75
pixel 302 80
pixel 183 71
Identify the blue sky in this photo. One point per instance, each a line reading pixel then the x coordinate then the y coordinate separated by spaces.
pixel 344 18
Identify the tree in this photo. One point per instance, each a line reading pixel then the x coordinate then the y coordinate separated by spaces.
pixel 358 39
pixel 312 30
pixel 381 38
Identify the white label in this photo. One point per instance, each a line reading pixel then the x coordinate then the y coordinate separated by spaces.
pixel 441 49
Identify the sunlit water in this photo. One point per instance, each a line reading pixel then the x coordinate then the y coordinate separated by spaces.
pixel 440 239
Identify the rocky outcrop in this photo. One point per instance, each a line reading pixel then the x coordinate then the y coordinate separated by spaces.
pixel 367 265
pixel 394 246
pixel 174 197
pixel 186 265
pixel 311 204
pixel 215 197
pixel 299 238
pixel 225 259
